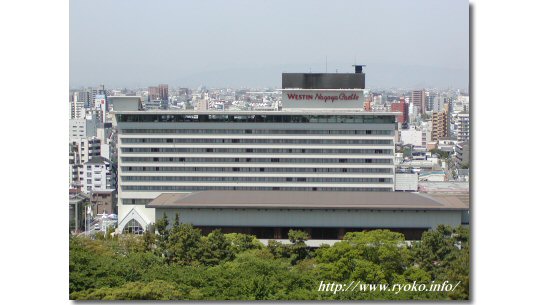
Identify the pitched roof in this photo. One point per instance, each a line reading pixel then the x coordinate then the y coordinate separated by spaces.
pixel 308 200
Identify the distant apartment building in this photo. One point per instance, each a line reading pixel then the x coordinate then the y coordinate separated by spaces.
pixel 461 104
pixel 81 150
pixel 418 100
pixel 437 104
pixel 201 105
pixel 462 127
pixel 402 107
pixel 163 92
pixel 430 97
pixel 153 93
pixel 439 125
pixel 462 154
pixel 82 128
pixel 78 102
pixel 99 90
pixel 159 92
pixel 99 108
pixel 98 175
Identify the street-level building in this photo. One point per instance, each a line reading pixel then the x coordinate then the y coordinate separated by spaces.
pixel 324 215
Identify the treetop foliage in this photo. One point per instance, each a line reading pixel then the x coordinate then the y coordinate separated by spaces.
pixel 179 263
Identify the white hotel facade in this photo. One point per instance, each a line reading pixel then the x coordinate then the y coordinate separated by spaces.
pixel 163 152
pixel 321 164
pixel 321 141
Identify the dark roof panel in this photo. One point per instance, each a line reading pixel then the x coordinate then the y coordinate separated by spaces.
pixel 307 200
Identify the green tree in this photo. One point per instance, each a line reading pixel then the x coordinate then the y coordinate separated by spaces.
pixel 162 225
pixel 150 240
pixel 183 245
pixel 370 255
pixel 298 248
pixel 278 249
pixel 432 251
pixel 242 242
pixel 155 290
pixel 216 248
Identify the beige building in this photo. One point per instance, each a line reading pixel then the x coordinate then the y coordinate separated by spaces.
pixel 439 125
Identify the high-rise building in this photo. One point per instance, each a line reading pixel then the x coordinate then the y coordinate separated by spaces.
pixel 439 125
pixel 418 100
pixel 438 104
pixel 78 102
pixel 320 141
pixel 462 127
pixel 153 94
pixel 159 93
pixel 163 92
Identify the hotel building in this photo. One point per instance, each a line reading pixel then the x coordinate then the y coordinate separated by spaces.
pixel 320 142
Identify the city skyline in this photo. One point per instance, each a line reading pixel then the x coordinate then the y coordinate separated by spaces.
pixel 249 44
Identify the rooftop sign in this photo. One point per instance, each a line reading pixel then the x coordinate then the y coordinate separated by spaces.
pixel 311 98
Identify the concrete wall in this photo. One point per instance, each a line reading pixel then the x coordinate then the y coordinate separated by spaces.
pixel 314 218
pixel 406 182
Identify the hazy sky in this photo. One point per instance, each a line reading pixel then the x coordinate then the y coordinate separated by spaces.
pixel 135 43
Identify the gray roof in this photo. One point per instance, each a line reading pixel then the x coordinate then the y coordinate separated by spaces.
pixel 308 200
pixel 97 160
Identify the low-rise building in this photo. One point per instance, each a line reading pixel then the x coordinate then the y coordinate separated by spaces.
pixel 406 181
pixel 432 176
pixel 411 136
pixel 324 215
pixel 104 202
pixel 98 176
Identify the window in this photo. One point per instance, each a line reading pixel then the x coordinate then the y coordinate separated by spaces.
pixel 133 227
